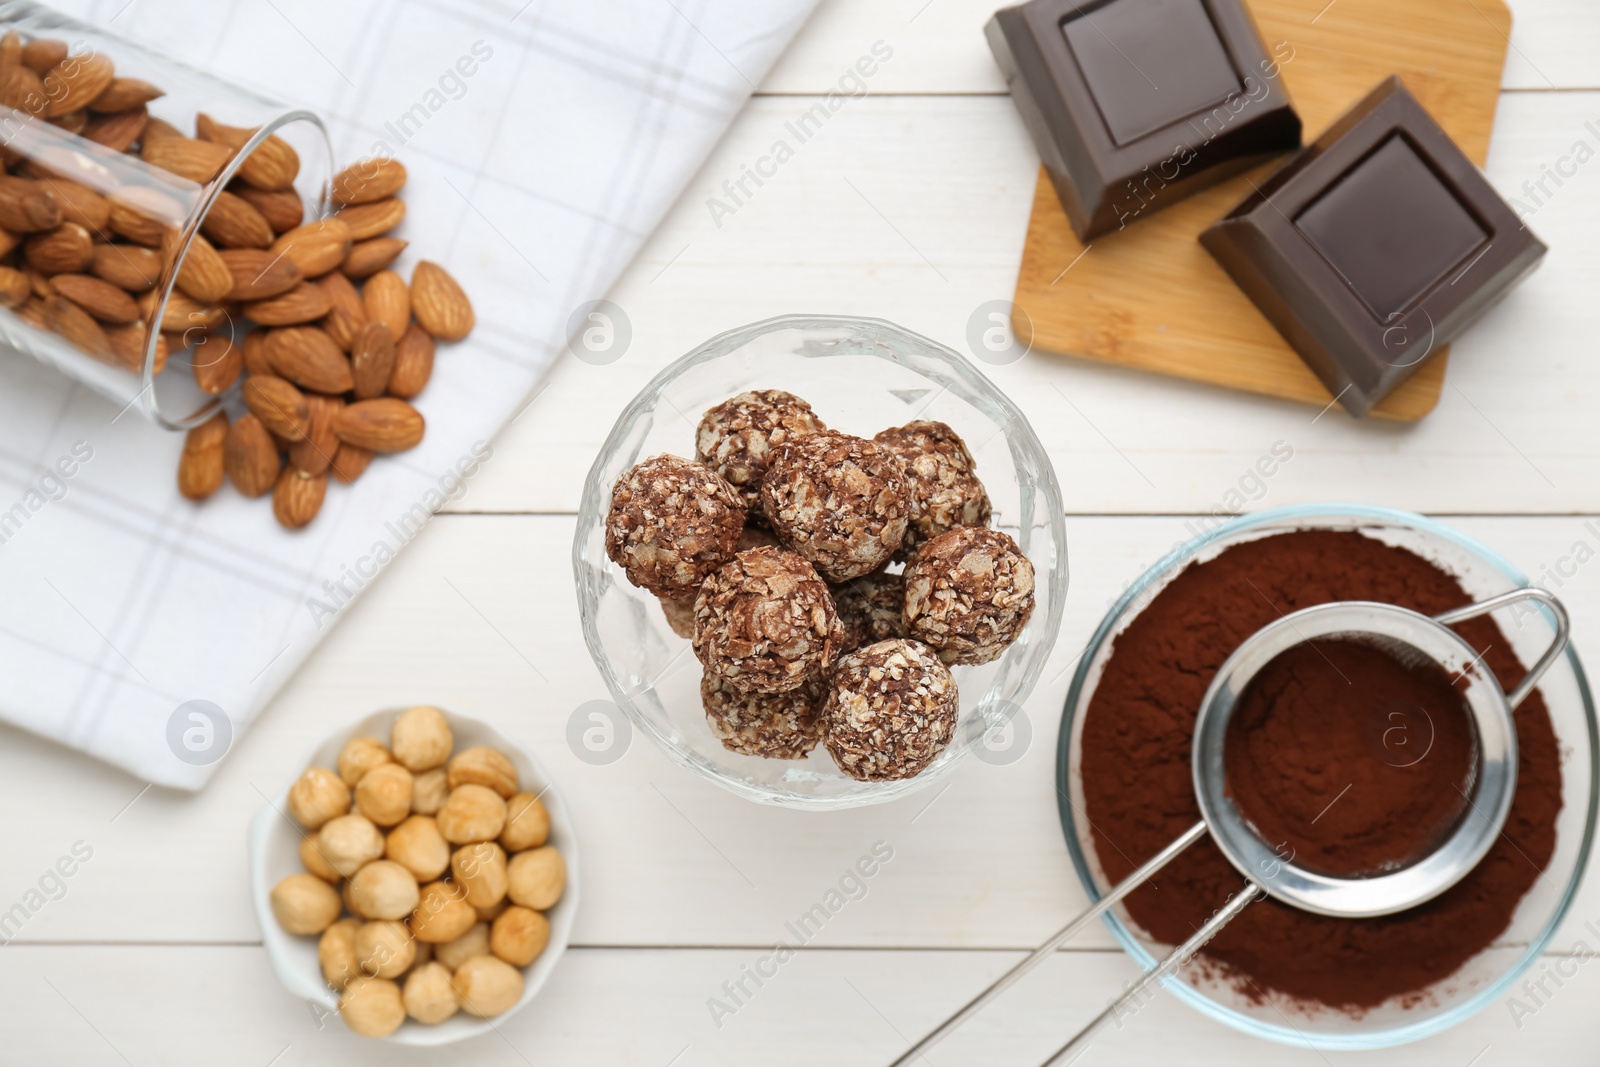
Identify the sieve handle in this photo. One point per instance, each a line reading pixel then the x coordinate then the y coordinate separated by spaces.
pixel 1040 954
pixel 1120 1008
pixel 1558 643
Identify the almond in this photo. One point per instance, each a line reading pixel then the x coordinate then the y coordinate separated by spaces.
pixel 200 471
pixel 99 298
pixel 350 461
pixel 124 93
pixel 370 220
pixel 217 362
pixel 25 207
pixel 117 132
pixel 316 248
pixel 272 165
pixel 79 204
pixel 255 353
pixel 346 313
pixel 315 453
pixel 372 361
pixel 72 121
pixel 21 88
pixel 128 344
pixel 199 161
pixel 76 80
pixel 8 241
pixel 258 274
pixel 14 287
pixel 250 456
pixel 42 53
pixel 41 285
pixel 304 303
pixel 308 357
pixel 233 222
pixel 143 214
pixel 413 363
pixel 382 425
pixel 204 275
pixel 369 257
pixel 282 209
pixel 298 497
pixel 368 180
pixel 78 327
pixel 388 301
pixel 10 49
pixel 66 249
pixel 279 405
pixel 159 130
pixel 184 314
pixel 439 304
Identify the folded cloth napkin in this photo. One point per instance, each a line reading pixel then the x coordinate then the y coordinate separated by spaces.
pixel 148 631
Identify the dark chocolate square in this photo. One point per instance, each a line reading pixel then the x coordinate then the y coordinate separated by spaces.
pixel 1375 247
pixel 1136 104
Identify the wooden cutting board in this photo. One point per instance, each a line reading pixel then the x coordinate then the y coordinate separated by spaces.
pixel 1151 297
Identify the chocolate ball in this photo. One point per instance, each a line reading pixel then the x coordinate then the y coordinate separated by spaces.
pixel 671 523
pixel 772 725
pixel 737 437
pixel 892 710
pixel 945 492
pixel 764 621
pixel 680 615
pixel 871 609
pixel 969 593
pixel 839 501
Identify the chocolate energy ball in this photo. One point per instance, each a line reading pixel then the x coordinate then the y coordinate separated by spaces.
pixel 839 501
pixel 871 609
pixel 892 710
pixel 969 593
pixel 672 522
pixel 945 491
pixel 771 725
pixel 764 621
pixel 737 437
pixel 680 615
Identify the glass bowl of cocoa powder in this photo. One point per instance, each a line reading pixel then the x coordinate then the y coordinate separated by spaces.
pixel 1123 768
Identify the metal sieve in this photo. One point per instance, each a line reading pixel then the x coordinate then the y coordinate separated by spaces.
pixel 1409 636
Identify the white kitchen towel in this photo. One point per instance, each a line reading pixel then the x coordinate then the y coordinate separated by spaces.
pixel 534 180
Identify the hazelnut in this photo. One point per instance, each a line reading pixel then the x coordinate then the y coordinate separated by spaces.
pixel 358 756
pixel 349 905
pixel 317 796
pixel 536 878
pixel 312 859
pixel 482 765
pixel 421 739
pixel 519 935
pixel 481 868
pixel 384 794
pixel 424 952
pixel 372 1007
pixel 491 913
pixel 349 843
pixel 475 942
pixel 336 952
pixel 305 904
pixel 527 823
pixel 383 890
pixel 417 845
pixel 429 791
pixel 487 985
pixel 472 813
pixel 384 949
pixel 429 996
pixel 442 914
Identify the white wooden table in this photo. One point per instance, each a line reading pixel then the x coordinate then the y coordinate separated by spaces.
pixel 910 205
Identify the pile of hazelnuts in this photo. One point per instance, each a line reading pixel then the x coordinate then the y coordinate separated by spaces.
pixel 429 897
pixel 828 582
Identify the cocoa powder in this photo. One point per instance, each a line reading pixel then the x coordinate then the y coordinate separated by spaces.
pixel 1139 795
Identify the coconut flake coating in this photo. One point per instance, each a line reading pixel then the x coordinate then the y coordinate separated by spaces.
pixel 770 725
pixel 969 593
pixel 839 501
pixel 871 609
pixel 892 710
pixel 945 492
pixel 738 436
pixel 764 621
pixel 672 523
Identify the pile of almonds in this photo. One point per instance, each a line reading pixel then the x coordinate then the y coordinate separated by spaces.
pixel 329 368
pixel 444 864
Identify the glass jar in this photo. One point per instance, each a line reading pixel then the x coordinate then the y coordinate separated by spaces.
pixel 126 173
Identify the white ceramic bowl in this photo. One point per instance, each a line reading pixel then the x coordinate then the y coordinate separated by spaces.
pixel 274 843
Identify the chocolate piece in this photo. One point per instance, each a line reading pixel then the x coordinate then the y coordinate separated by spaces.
pixel 764 622
pixel 1136 104
pixel 770 725
pixel 1374 247
pixel 892 710
pixel 969 593
pixel 671 523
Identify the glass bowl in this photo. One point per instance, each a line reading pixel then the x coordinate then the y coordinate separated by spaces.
pixel 860 376
pixel 1489 974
